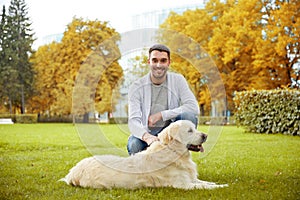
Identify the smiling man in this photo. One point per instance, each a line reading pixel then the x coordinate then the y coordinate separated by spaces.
pixel 156 100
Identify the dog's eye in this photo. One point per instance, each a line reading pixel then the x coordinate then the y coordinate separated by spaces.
pixel 190 130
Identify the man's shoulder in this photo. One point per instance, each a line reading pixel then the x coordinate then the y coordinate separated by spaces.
pixel 140 81
pixel 174 75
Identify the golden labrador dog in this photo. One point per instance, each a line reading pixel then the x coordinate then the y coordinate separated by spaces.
pixel 166 163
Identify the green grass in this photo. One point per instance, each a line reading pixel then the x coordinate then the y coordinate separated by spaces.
pixel 256 166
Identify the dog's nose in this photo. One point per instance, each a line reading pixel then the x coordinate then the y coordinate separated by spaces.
pixel 204 137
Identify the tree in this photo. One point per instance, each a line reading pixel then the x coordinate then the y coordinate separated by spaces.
pixel 233 45
pixel 254 44
pixel 45 66
pixel 6 74
pixel 79 61
pixel 139 65
pixel 197 25
pixel 16 70
pixel 278 50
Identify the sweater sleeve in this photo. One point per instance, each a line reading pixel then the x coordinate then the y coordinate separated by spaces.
pixel 181 97
pixel 135 118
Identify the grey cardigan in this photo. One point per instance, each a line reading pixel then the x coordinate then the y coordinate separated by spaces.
pixel 180 99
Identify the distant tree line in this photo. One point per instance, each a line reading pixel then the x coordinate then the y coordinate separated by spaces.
pixel 255 44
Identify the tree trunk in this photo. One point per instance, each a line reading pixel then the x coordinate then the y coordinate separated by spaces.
pixel 10 106
pixel 22 101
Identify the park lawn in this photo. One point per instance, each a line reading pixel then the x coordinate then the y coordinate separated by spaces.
pixel 256 166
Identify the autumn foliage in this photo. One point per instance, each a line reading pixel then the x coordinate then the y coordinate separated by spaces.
pixel 226 47
pixel 59 63
pixel 254 44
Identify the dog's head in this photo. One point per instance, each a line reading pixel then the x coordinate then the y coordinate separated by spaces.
pixel 183 131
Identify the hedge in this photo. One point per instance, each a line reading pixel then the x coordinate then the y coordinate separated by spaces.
pixel 208 120
pixel 27 118
pixel 203 120
pixel 55 119
pixel 9 116
pixel 21 118
pixel 118 120
pixel 269 111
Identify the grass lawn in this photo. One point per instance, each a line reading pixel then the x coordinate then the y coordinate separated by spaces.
pixel 256 166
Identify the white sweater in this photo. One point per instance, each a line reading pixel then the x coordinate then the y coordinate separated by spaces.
pixel 180 100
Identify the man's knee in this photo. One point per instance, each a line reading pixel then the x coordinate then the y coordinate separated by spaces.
pixel 135 145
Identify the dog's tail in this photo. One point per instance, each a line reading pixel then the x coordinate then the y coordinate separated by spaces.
pixel 77 172
pixel 64 180
pixel 70 179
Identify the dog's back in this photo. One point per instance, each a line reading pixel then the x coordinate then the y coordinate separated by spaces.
pixel 146 169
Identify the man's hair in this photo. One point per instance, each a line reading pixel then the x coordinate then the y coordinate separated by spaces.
pixel 160 47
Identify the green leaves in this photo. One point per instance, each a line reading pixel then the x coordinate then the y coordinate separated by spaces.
pixel 269 111
pixel 16 73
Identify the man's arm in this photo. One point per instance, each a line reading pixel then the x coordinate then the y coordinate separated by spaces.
pixel 152 119
pixel 184 95
pixel 137 107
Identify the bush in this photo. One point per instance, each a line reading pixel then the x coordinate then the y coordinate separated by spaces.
pixel 26 118
pixel 202 120
pixel 55 119
pixel 8 116
pixel 269 111
pixel 118 120
pixel 208 120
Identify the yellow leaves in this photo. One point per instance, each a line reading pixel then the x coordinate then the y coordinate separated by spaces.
pixel 232 33
pixel 281 40
pixel 58 64
pixel 232 47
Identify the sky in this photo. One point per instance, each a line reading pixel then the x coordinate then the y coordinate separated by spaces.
pixel 52 16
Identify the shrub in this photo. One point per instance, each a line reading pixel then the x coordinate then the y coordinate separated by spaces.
pixel 55 119
pixel 269 111
pixel 118 120
pixel 11 116
pixel 208 120
pixel 26 118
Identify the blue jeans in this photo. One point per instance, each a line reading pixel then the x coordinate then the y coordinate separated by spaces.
pixel 136 145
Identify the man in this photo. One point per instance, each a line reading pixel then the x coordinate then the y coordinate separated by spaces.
pixel 156 100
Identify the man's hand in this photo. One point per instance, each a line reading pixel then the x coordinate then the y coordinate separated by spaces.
pixel 152 119
pixel 149 139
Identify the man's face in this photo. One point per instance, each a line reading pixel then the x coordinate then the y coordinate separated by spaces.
pixel 159 64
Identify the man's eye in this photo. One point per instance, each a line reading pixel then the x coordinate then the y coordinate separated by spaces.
pixel 163 60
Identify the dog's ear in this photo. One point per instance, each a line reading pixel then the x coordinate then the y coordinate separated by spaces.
pixel 164 136
pixel 167 134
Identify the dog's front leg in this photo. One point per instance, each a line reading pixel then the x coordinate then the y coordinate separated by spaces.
pixel 199 184
pixel 204 182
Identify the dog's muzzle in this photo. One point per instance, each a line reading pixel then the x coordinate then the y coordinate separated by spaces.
pixel 198 148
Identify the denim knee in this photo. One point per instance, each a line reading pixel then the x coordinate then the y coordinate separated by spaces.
pixel 188 116
pixel 135 145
